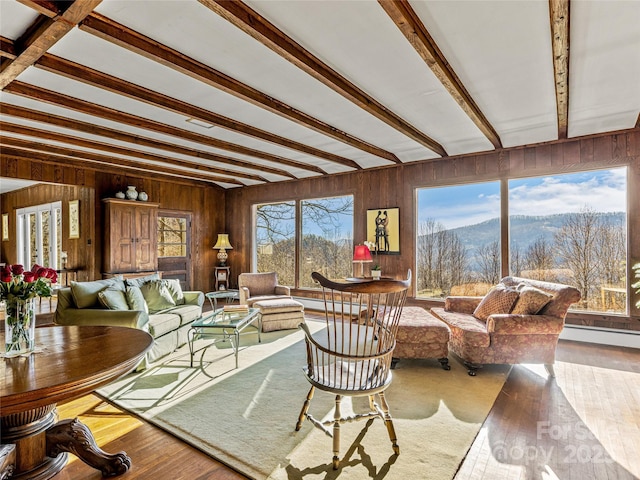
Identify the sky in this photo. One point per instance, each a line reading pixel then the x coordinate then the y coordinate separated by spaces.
pixel 600 190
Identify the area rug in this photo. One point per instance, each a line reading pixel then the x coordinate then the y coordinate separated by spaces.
pixel 245 417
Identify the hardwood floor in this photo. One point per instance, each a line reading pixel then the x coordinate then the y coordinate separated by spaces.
pixel 583 425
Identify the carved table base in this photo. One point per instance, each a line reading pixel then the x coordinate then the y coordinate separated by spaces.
pixel 41 445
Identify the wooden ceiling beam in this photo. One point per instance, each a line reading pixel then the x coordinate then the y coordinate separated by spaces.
pixel 44 37
pixel 90 76
pixel 10 153
pixel 43 95
pixel 253 24
pixel 409 23
pixel 118 34
pixel 7 48
pixel 12 146
pixel 559 18
pixel 128 151
pixel 92 129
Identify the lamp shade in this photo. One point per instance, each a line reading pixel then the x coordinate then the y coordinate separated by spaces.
pixel 223 242
pixel 362 253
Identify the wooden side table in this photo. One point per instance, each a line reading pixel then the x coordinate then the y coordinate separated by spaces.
pixel 223 275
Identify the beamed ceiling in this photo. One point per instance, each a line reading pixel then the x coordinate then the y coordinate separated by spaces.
pixel 243 93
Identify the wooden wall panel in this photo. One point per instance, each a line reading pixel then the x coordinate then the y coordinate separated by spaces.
pixel 395 186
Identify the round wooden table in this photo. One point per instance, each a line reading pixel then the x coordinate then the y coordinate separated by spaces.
pixel 74 361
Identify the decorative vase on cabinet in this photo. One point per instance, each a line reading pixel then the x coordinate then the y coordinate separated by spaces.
pixel 143 197
pixel 131 192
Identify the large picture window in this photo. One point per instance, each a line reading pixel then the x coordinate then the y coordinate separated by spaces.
pixel 571 228
pixel 276 240
pixel 458 240
pixel 327 238
pixel 325 230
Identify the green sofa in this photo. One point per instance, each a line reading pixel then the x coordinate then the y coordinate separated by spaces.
pixel 152 304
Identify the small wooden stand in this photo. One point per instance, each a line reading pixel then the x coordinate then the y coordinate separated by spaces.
pixel 223 275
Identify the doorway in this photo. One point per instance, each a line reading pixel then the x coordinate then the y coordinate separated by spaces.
pixel 39 235
pixel 174 246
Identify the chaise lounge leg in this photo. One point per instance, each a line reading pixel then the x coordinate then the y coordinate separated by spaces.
pixel 473 368
pixel 549 368
pixel 444 362
pixel 394 362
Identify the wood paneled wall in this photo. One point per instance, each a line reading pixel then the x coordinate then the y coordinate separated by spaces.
pixel 395 187
pixel 215 211
pixel 206 204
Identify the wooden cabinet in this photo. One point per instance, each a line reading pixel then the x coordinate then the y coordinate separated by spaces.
pixel 130 236
pixel 223 276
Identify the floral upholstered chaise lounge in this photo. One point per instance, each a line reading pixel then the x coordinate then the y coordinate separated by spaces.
pixel 518 321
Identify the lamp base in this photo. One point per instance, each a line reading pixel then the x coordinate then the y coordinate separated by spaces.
pixel 222 258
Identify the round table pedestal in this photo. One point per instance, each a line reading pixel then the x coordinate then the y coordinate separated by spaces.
pixel 42 445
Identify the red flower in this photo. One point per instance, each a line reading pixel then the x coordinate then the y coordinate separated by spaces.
pixel 52 274
pixel 6 270
pixel 29 277
pixel 17 269
pixel 5 277
pixel 41 272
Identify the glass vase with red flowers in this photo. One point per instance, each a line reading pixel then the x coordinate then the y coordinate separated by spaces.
pixel 18 291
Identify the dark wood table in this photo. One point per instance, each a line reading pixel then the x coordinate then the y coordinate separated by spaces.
pixel 74 362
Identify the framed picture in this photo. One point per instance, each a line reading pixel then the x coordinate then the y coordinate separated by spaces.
pixel 5 226
pixel 74 219
pixel 383 230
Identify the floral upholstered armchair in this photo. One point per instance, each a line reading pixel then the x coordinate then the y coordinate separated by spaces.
pixel 518 321
pixel 255 287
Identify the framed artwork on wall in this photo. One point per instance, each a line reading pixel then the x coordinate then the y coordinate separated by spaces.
pixel 5 226
pixel 74 219
pixel 383 230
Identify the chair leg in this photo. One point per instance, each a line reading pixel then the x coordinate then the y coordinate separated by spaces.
pixel 549 368
pixel 336 433
pixel 389 423
pixel 305 408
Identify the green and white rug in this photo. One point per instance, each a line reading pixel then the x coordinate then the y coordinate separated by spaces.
pixel 246 417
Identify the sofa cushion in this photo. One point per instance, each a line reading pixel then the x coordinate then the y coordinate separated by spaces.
pixel 530 300
pixel 173 285
pixel 187 313
pixel 135 299
pixel 85 294
pixel 162 323
pixel 138 282
pixel 157 296
pixel 465 328
pixel 500 299
pixel 113 299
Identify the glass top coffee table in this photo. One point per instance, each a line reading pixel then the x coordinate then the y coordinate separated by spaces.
pixel 227 325
pixel 230 295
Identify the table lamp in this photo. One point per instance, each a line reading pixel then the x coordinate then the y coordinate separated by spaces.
pixel 223 245
pixel 362 254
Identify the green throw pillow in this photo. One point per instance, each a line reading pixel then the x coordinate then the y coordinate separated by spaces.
pixel 140 281
pixel 135 299
pixel 113 299
pixel 157 296
pixel 85 294
pixel 173 285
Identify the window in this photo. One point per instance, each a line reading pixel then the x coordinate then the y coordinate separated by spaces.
pixel 458 240
pixel 39 235
pixel 327 238
pixel 172 236
pixel 275 240
pixel 326 245
pixel 571 228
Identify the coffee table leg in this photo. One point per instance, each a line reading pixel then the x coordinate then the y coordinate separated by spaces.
pixel 75 437
pixel 237 345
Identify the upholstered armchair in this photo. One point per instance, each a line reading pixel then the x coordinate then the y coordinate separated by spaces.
pixel 518 321
pixel 254 287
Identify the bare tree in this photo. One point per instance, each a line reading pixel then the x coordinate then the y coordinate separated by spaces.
pixel 539 258
pixel 489 262
pixel 441 259
pixel 576 244
pixel 516 260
